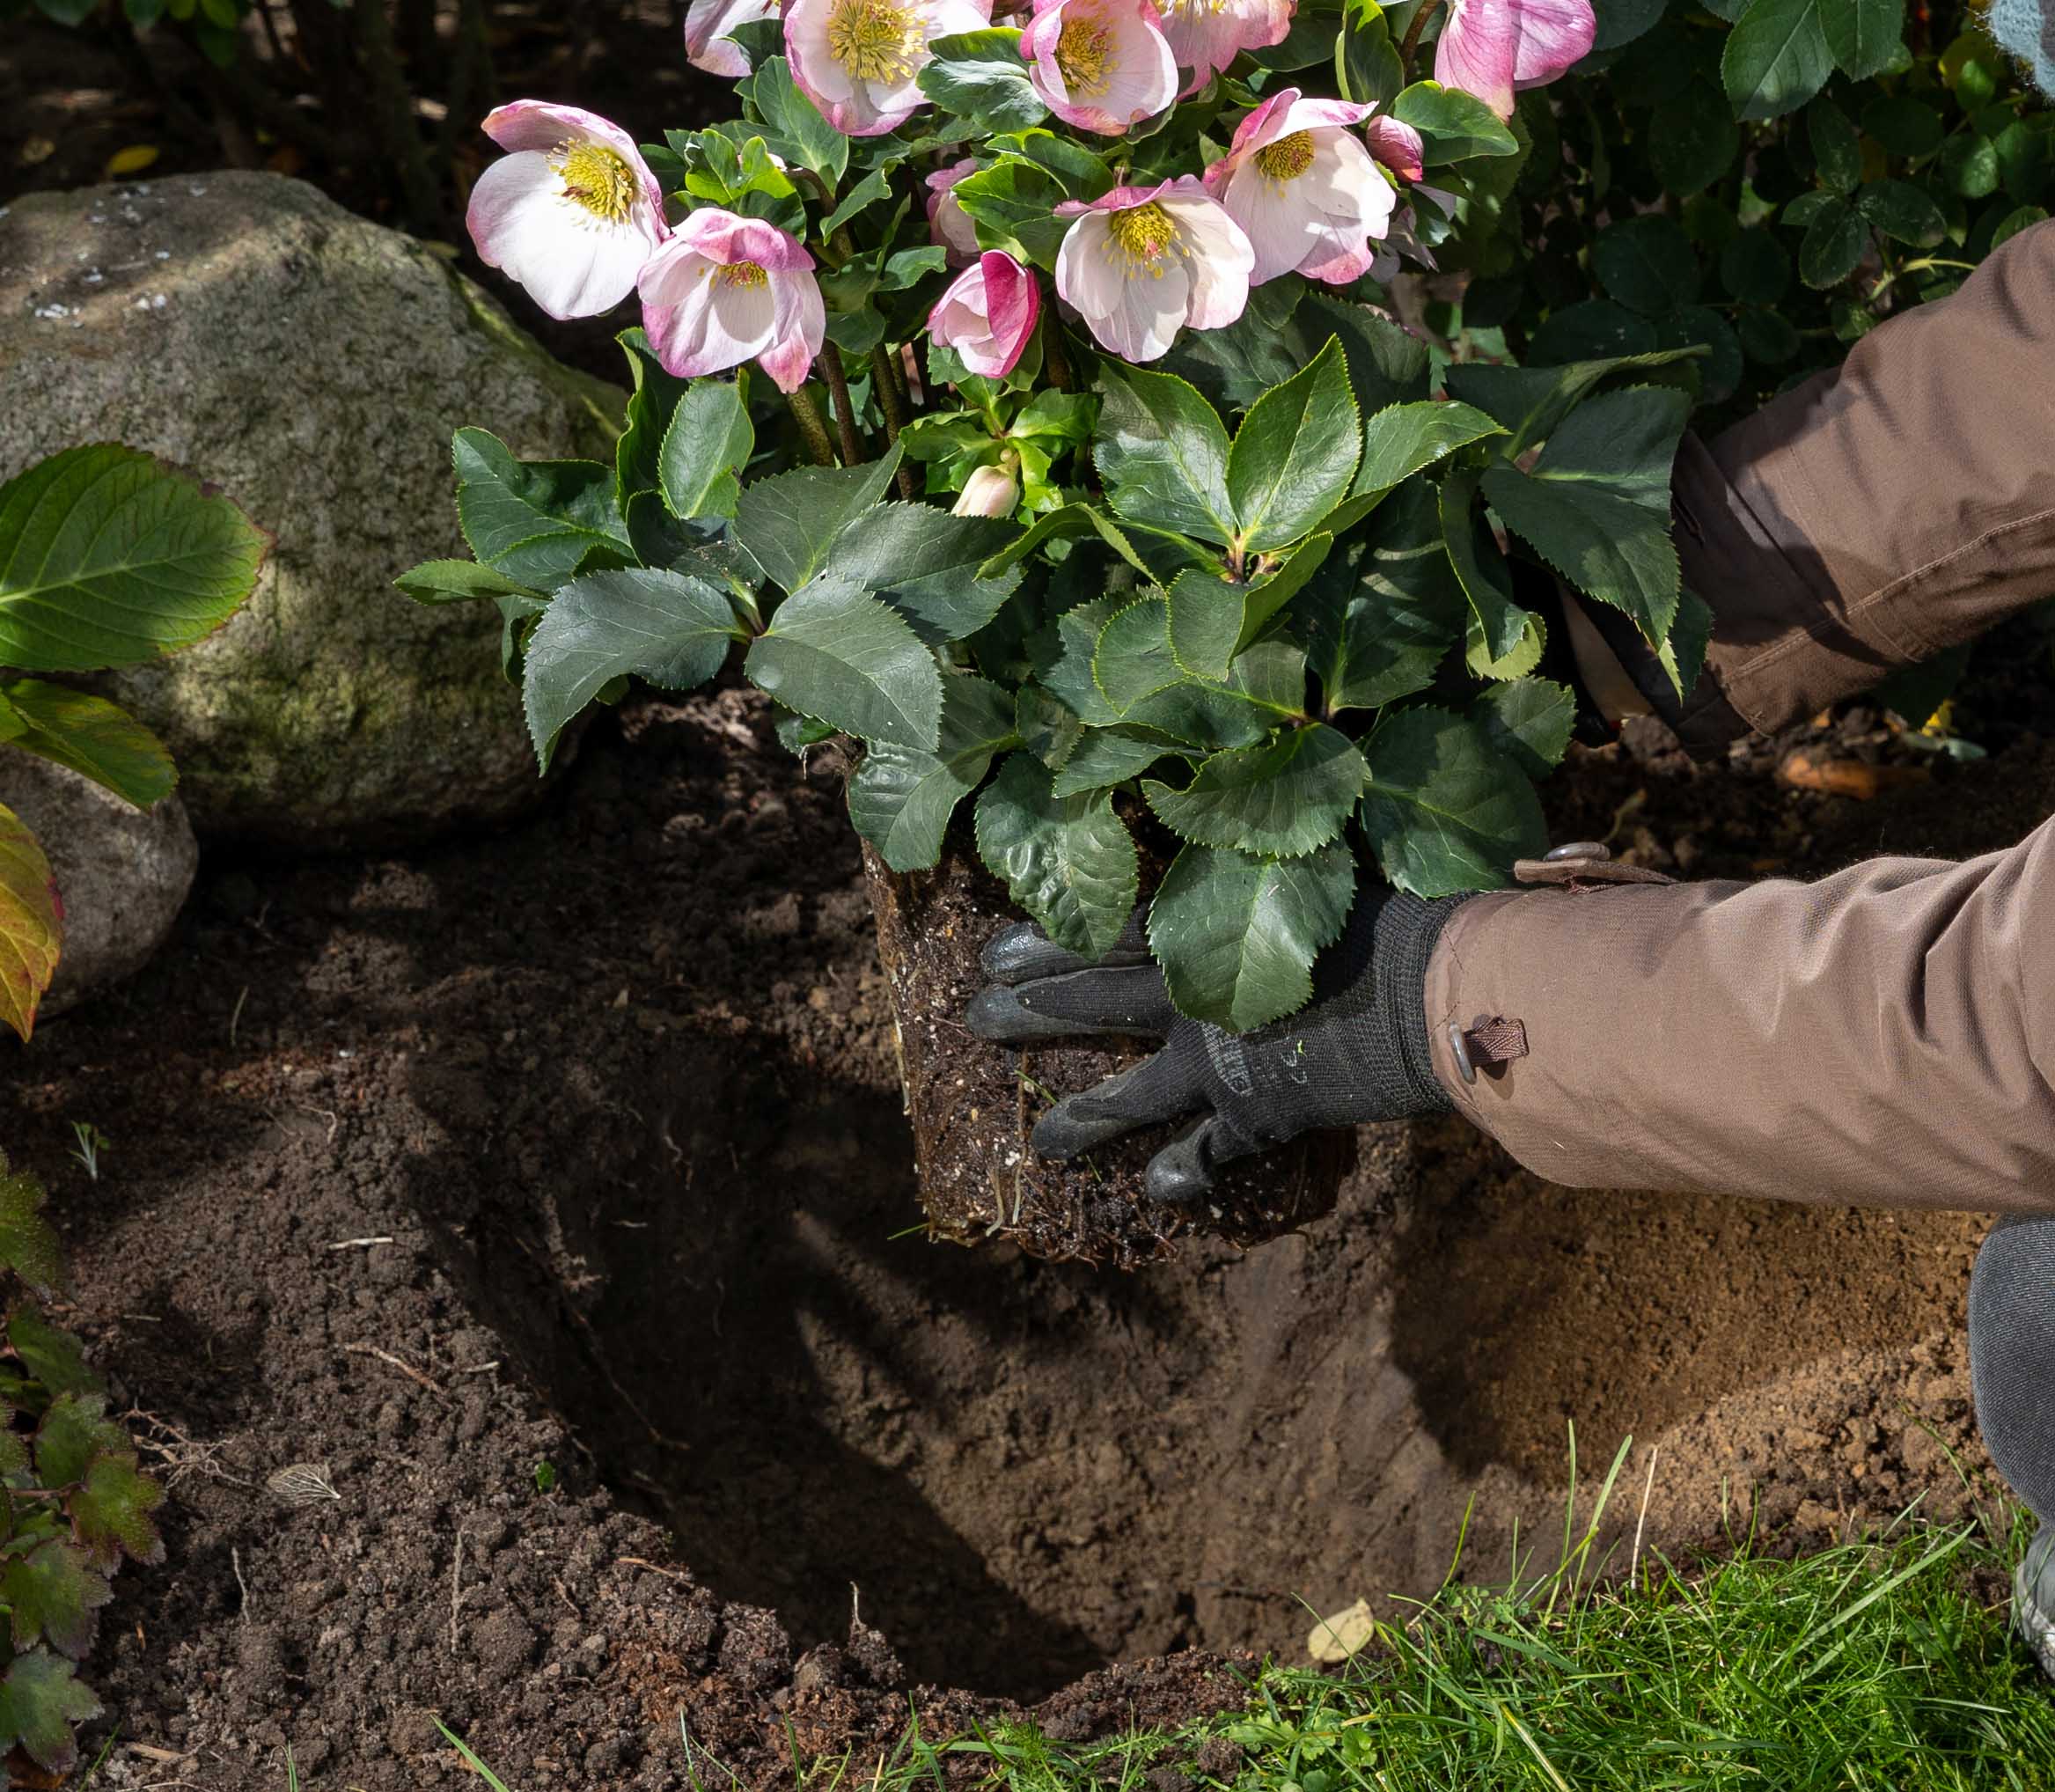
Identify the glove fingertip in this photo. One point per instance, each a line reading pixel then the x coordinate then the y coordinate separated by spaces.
pixel 1014 953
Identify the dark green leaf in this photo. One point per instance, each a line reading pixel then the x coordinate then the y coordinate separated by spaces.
pixel 92 735
pixel 1401 439
pixel 1366 60
pixel 1702 325
pixel 1619 22
pixel 901 799
pixel 1863 35
pixel 1595 505
pixel 1836 151
pixel 1776 58
pixel 1529 720
pixel 1454 125
pixel 1162 452
pixel 28 1242
pixel 456 581
pixel 54 1358
pixel 1108 756
pixel 107 556
pixel 980 77
pixel 1683 655
pixel 1593 329
pixel 926 562
pixel 1530 402
pixel 1904 212
pixel 1443 812
pixel 111 1512
pixel 74 1431
pixel 1908 126
pixel 1047 726
pixel 1133 660
pixel 654 396
pixel 1282 799
pixel 534 520
pixel 1378 628
pixel 1833 246
pixel 1647 263
pixel 53 1591
pixel 1480 568
pixel 1767 337
pixel 1294 454
pixel 40 1698
pixel 1693 140
pixel 1212 619
pixel 706 445
pixel 1068 861
pixel 793 126
pixel 1012 205
pixel 672 631
pixel 788 524
pixel 1236 935
pixel 1754 267
pixel 838 654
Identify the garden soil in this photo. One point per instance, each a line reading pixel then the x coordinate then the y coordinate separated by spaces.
pixel 544 1203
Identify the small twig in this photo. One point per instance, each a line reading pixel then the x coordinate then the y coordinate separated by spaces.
pixel 1428 9
pixel 406 1368
pixel 655 1568
pixel 838 388
pixel 360 1243
pixel 892 402
pixel 1634 1561
pixel 236 1019
pixel 813 431
pixel 235 1557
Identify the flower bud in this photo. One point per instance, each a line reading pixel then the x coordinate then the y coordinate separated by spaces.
pixel 991 491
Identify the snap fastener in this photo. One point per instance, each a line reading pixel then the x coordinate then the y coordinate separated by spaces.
pixel 1577 849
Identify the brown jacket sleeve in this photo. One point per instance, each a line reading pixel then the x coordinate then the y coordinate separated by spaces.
pixel 1885 1037
pixel 1879 513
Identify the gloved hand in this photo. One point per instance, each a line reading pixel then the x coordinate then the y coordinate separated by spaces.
pixel 1357 1052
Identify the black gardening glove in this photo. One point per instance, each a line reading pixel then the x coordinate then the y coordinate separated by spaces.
pixel 1357 1052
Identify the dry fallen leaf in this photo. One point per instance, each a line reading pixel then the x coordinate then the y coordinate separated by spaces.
pixel 1846 777
pixel 1344 1634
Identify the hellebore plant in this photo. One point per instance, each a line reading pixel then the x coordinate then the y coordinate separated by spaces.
pixel 1101 486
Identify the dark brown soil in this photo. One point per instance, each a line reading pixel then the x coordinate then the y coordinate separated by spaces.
pixel 971 1112
pixel 582 1145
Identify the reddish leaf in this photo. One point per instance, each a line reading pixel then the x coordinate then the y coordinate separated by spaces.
pixel 32 923
pixel 110 1512
pixel 54 1591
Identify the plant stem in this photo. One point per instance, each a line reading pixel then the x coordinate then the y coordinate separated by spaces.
pixel 838 387
pixel 1052 355
pixel 892 402
pixel 806 413
pixel 1428 9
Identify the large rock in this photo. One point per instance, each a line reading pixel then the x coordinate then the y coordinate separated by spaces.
pixel 313 365
pixel 123 873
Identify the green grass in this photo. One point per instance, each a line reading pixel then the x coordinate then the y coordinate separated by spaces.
pixel 1882 1663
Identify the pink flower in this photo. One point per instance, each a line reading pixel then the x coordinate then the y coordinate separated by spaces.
pixel 1495 48
pixel 707 24
pixel 571 214
pixel 1206 35
pixel 1304 187
pixel 948 222
pixel 858 60
pixel 1398 146
pixel 1101 65
pixel 1144 261
pixel 988 314
pixel 725 290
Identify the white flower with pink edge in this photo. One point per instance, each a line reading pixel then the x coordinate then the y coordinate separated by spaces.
pixel 572 213
pixel 949 225
pixel 726 289
pixel 1494 49
pixel 988 314
pixel 1303 187
pixel 1144 262
pixel 1206 35
pixel 1101 65
pixel 708 25
pixel 859 59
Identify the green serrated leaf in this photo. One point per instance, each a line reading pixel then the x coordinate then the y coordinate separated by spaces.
pixel 1108 756
pixel 928 565
pixel 1377 628
pixel 1162 452
pixel 1693 140
pixel 1531 401
pixel 1212 619
pixel 1862 35
pixel 40 1698
pixel 28 1242
pixel 706 446
pixel 1294 454
pixel 1529 720
pixel 1012 207
pixel 1402 439
pixel 108 556
pixel 110 1511
pixel 1236 935
pixel 901 799
pixel 1047 726
pixel 1647 263
pixel 32 923
pixel 1776 58
pixel 1595 505
pixel 533 521
pixel 1682 652
pixel 1442 811
pixel 980 77
pixel 788 524
pixel 1281 799
pixel 1837 151
pixel 838 654
pixel 793 126
pixel 1902 212
pixel 54 1359
pixel 1132 660
pixel 672 631
pixel 1068 861
pixel 457 581
pixel 1833 245
pixel 54 1592
pixel 73 1431
pixel 1480 568
pixel 93 737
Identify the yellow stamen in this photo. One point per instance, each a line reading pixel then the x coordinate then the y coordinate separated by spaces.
pixel 745 274
pixel 1144 234
pixel 1287 158
pixel 875 39
pixel 1084 51
pixel 598 177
